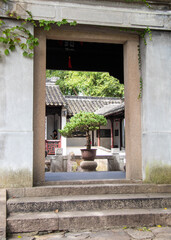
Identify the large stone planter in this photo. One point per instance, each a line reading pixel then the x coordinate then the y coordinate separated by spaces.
pixel 88 155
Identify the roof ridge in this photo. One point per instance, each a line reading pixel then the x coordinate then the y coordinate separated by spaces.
pixel 91 97
pixel 52 85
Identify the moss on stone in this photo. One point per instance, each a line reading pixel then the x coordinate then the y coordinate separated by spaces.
pixel 15 178
pixel 158 173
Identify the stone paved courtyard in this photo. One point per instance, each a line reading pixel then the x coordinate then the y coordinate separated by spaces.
pixel 153 233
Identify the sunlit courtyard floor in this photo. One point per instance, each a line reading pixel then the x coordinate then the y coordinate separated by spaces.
pixel 62 176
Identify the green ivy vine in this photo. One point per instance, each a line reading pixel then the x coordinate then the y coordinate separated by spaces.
pixel 142 34
pixel 19 35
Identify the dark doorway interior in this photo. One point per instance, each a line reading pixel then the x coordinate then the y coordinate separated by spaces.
pixel 85 56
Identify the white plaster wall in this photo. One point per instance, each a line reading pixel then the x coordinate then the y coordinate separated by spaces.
pixel 63 139
pixel 16 115
pixel 156 101
pixel 74 142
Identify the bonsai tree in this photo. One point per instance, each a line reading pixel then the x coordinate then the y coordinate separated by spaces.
pixel 84 122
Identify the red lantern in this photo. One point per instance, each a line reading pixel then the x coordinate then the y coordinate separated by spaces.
pixel 69 63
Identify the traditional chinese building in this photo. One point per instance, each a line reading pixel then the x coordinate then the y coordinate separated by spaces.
pixel 59 109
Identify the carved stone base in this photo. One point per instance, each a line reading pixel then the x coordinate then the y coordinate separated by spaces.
pixel 88 166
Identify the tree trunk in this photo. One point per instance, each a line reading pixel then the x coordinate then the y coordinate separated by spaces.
pixel 88 140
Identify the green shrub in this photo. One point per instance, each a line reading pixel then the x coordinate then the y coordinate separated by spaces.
pixel 83 122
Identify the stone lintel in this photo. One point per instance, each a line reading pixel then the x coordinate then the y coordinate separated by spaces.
pixel 110 13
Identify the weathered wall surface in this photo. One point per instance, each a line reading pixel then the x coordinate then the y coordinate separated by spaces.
pixel 156 101
pixel 16 120
pixel 118 13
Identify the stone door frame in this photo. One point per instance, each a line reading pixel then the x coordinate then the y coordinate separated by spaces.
pixel 131 80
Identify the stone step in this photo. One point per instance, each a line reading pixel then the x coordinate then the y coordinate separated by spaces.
pixel 87 189
pixel 89 202
pixel 83 220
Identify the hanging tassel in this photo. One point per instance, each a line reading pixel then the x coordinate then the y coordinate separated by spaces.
pixel 69 63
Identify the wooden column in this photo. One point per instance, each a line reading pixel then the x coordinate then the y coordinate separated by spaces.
pixel 98 138
pixel 112 136
pixel 120 133
pixel 92 138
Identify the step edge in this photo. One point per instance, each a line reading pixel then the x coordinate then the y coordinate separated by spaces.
pixel 18 216
pixel 42 190
pixel 91 197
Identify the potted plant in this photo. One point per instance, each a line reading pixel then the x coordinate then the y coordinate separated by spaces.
pixel 84 122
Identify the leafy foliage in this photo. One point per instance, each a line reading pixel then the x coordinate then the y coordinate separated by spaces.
pixel 87 83
pixel 83 122
pixel 11 37
pixel 19 35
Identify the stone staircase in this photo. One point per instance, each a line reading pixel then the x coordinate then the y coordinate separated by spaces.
pixel 81 207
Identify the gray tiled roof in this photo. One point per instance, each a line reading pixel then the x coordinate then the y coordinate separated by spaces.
pixel 75 104
pixel 111 109
pixel 88 104
pixel 54 96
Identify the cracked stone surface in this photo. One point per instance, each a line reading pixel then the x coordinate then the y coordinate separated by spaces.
pixel 77 235
pixel 137 234
pixel 110 235
pixel 158 230
pixel 155 233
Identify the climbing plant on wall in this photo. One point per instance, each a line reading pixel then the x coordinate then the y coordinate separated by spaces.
pixel 19 34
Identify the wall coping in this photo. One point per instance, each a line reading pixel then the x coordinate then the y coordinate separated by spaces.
pixel 102 13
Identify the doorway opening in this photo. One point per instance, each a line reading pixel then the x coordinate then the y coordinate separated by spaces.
pixel 90 34
pixel 84 76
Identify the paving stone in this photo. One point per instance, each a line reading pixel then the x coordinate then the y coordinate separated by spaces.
pixel 157 230
pixel 162 238
pixel 137 234
pixel 24 237
pixel 164 235
pixel 110 235
pixel 77 236
pixel 120 234
pixel 51 236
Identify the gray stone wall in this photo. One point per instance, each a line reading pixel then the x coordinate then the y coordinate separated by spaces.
pixel 156 100
pixel 16 119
